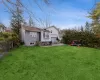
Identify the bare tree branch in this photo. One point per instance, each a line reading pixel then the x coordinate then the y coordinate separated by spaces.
pixel 47 2
pixel 9 8
pixel 10 3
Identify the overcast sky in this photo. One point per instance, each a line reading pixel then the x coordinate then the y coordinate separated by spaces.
pixel 61 13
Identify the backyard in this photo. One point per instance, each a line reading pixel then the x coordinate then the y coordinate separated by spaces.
pixel 51 63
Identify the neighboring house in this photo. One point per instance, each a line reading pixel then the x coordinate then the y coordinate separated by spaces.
pixel 54 34
pixel 2 28
pixel 8 29
pixel 31 35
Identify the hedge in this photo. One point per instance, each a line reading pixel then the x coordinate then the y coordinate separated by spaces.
pixel 8 41
pixel 87 39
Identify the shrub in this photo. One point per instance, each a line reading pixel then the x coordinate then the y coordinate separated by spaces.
pixel 2 38
pixel 87 39
pixel 37 43
pixel 6 34
pixel 9 39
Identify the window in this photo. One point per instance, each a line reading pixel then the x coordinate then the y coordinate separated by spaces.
pixel 46 34
pixel 51 31
pixel 33 34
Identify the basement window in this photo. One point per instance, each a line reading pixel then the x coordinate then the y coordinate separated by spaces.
pixel 31 43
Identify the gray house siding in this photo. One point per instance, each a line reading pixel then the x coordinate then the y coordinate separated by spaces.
pixel 2 29
pixel 45 39
pixel 31 40
pixel 22 31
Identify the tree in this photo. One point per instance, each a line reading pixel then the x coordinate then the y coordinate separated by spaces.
pixel 87 27
pixel 31 23
pixel 82 28
pixel 17 19
pixel 2 25
pixel 95 16
pixel 10 3
pixel 46 22
pixel 85 38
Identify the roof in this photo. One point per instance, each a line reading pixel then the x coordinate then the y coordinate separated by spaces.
pixel 34 29
pixel 28 28
pixel 8 29
pixel 53 27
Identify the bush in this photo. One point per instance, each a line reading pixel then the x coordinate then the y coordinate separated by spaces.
pixel 37 43
pixel 8 40
pixel 87 39
pixel 6 34
pixel 2 38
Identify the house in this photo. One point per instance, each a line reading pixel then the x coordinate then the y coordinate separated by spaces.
pixel 31 35
pixel 2 28
pixel 8 29
pixel 54 34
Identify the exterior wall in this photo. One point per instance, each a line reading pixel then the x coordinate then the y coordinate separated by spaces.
pixel 2 29
pixel 22 34
pixel 45 39
pixel 29 39
pixel 53 32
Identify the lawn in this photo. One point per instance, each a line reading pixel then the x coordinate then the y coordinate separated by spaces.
pixel 51 63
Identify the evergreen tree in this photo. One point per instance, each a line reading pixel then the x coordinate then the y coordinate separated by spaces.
pixel 31 23
pixel 82 28
pixel 17 19
pixel 87 27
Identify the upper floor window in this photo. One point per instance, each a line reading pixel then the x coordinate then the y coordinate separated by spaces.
pixel 33 34
pixel 46 34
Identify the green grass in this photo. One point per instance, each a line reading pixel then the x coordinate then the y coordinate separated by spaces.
pixel 51 63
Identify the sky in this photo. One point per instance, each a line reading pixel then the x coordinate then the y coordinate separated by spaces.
pixel 65 14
